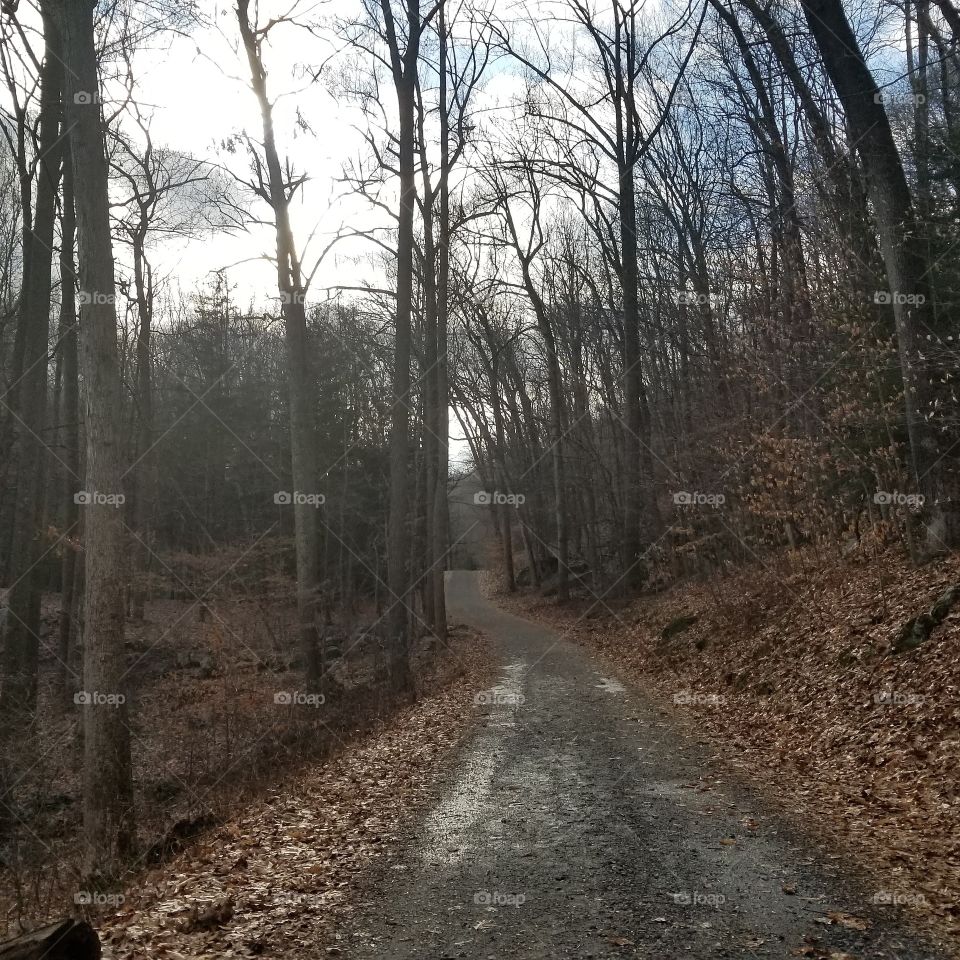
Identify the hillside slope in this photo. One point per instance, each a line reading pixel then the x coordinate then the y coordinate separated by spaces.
pixel 789 672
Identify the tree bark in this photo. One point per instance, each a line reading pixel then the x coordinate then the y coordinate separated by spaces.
pixel 108 817
pixel 21 645
pixel 638 456
pixel 70 416
pixel 21 641
pixel 440 506
pixel 290 286
pixel 404 65
pixel 141 478
pixel 932 445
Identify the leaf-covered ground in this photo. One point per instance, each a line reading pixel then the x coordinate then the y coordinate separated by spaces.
pixel 279 876
pixel 208 732
pixel 582 822
pixel 789 673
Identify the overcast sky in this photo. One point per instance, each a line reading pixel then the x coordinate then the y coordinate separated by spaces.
pixel 200 96
pixel 197 91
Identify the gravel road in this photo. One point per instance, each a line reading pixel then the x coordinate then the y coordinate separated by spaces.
pixel 580 822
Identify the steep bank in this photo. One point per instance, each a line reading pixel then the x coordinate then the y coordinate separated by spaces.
pixel 788 672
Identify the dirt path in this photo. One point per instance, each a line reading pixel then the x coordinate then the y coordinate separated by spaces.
pixel 580 823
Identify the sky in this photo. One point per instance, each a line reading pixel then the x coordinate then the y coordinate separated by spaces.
pixel 201 97
pixel 195 88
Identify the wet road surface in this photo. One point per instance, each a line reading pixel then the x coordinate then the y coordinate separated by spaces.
pixel 579 822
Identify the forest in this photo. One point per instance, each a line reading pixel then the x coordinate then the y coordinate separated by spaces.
pixel 304 305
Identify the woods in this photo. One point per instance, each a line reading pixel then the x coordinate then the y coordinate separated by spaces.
pixel 674 288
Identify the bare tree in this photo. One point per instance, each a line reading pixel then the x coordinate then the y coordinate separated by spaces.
pixel 624 59
pixel 277 186
pixel 933 443
pixel 107 779
pixel 71 568
pixel 21 633
pixel 404 51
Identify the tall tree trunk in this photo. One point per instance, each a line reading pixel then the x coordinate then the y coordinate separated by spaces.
pixel 21 637
pixel 290 286
pixel 70 417
pixel 141 477
pixel 636 437
pixel 430 393
pixel 23 623
pixel 638 492
pixel 9 456
pixel 108 817
pixel 440 506
pixel 558 453
pixel 398 577
pixel 932 443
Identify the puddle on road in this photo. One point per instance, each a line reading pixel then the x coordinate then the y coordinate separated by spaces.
pixel 506 696
pixel 449 826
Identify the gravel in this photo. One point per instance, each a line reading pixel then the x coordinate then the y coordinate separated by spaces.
pixel 580 822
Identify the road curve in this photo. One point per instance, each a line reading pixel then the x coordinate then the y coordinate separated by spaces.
pixel 578 822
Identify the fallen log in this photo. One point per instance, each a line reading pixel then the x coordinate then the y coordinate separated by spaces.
pixel 66 940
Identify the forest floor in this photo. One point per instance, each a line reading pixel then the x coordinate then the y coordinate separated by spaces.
pixel 786 671
pixel 210 737
pixel 768 781
pixel 285 872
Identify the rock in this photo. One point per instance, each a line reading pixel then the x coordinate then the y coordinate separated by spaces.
pixel 913 633
pixel 677 626
pixel 917 629
pixel 945 603
pixel 66 940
